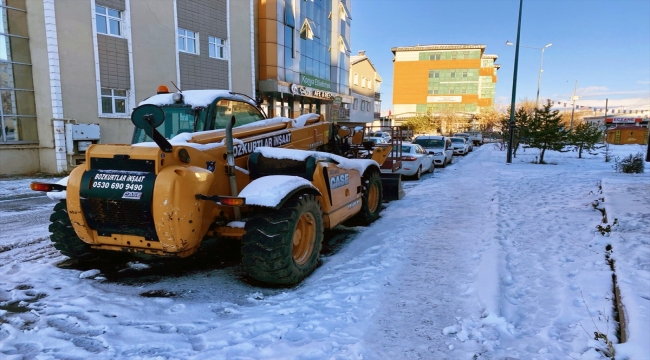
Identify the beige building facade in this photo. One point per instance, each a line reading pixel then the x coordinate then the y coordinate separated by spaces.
pixel 365 87
pixel 73 70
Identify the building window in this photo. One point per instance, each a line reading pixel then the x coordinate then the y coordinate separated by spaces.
pixel 356 79
pixel 434 57
pixel 187 40
pixel 113 101
pixel 464 74
pixel 216 47
pixel 355 104
pixel 363 82
pixel 363 105
pixel 109 21
pixel 453 74
pixel 436 92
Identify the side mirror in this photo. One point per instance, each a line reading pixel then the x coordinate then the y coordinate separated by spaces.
pixel 148 117
pixel 431 152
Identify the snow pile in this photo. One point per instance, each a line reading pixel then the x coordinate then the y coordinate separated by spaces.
pixel 359 165
pixel 270 190
pixel 194 98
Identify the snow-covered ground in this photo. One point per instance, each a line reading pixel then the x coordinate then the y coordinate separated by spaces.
pixel 481 260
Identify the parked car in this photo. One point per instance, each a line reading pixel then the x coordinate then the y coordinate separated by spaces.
pixel 439 146
pixel 376 140
pixel 415 160
pixel 459 145
pixel 469 141
pixel 382 134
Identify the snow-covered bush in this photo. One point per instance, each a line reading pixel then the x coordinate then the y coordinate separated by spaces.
pixel 631 164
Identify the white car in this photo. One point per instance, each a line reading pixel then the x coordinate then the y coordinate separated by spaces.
pixel 459 145
pixel 376 140
pixel 415 161
pixel 469 140
pixel 382 134
pixel 438 146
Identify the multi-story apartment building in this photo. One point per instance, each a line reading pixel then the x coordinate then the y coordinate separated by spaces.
pixel 365 86
pixel 304 57
pixel 440 79
pixel 74 69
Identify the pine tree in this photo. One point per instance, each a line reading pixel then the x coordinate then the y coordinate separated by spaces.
pixel 522 122
pixel 545 131
pixel 585 136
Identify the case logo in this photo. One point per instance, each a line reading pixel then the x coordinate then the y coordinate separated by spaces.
pixel 339 180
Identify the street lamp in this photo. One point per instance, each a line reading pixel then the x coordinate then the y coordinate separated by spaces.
pixel 514 89
pixel 539 77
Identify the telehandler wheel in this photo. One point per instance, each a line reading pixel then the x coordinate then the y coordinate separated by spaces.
pixel 282 247
pixel 371 199
pixel 64 237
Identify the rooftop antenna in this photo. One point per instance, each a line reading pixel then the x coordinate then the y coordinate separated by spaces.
pixel 179 90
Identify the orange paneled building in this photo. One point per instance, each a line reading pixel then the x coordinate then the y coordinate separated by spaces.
pixel 442 79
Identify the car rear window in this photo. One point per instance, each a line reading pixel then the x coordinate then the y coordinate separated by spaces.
pixel 457 140
pixel 430 143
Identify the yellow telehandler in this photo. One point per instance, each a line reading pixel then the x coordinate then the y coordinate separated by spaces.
pixel 205 164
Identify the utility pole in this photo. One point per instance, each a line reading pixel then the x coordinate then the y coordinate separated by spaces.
pixel 605 122
pixel 574 98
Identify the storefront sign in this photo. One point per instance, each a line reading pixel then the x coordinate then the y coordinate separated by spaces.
pixel 305 91
pixel 444 99
pixel 337 102
pixel 625 120
pixel 314 82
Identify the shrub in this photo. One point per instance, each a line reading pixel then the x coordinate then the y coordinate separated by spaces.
pixel 631 164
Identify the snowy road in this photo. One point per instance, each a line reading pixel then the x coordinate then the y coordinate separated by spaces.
pixel 480 260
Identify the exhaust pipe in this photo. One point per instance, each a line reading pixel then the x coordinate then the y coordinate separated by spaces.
pixel 230 158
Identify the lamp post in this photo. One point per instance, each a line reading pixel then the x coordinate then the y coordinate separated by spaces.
pixel 539 76
pixel 514 89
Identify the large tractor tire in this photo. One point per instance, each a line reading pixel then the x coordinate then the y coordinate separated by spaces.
pixel 64 237
pixel 371 199
pixel 282 247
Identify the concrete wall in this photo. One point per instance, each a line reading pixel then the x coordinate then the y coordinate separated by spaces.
pixel 16 160
pixel 242 46
pixel 154 49
pixel 42 96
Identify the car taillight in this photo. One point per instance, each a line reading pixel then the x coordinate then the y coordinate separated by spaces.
pixel 39 186
pixel 408 158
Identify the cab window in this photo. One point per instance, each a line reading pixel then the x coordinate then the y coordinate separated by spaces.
pixel 244 113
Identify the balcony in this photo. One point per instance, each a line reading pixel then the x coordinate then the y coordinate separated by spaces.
pixel 377 96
